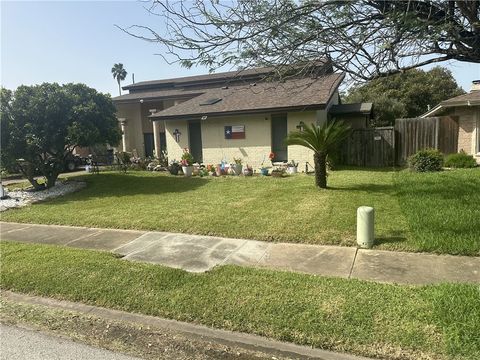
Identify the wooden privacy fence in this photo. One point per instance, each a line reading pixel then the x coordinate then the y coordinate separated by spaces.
pixel 372 147
pixel 420 133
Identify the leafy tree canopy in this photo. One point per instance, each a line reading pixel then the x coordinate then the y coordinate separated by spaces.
pixel 43 124
pixel 365 38
pixel 405 95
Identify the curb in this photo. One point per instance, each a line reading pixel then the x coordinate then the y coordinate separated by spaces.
pixel 225 337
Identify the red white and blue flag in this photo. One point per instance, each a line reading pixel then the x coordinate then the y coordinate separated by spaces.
pixel 235 132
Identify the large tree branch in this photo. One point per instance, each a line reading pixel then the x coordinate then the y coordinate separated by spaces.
pixel 366 39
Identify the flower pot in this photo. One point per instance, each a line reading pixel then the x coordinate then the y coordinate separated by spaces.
pixel 187 170
pixel 237 169
pixel 264 172
pixel 292 169
pixel 247 172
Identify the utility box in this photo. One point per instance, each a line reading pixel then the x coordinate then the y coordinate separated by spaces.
pixel 365 226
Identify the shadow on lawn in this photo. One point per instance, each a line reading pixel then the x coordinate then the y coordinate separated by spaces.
pixel 378 188
pixel 112 185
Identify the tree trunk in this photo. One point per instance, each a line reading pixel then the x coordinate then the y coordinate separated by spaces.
pixel 28 171
pixel 320 160
pixel 51 179
pixel 119 88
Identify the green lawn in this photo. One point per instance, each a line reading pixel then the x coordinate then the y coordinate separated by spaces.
pixel 414 212
pixel 387 321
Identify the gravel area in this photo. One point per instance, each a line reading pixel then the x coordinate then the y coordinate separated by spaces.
pixel 19 198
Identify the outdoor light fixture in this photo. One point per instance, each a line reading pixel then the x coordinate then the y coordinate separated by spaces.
pixel 204 117
pixel 141 101
pixel 300 126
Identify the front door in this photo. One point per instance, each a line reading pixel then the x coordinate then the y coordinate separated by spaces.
pixel 149 144
pixel 279 133
pixel 195 140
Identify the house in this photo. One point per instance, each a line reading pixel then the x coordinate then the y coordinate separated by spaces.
pixel 465 109
pixel 238 114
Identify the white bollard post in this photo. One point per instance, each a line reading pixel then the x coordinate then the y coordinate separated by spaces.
pixel 365 226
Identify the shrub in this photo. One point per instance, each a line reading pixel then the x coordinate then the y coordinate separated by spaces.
pixel 460 160
pixel 426 160
pixel 174 168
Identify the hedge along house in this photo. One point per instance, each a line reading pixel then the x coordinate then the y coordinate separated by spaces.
pixel 465 110
pixel 223 116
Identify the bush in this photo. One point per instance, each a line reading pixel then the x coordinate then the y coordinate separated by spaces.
pixel 426 160
pixel 174 168
pixel 460 160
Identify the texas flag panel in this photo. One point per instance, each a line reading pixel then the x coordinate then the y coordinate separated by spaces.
pixel 235 132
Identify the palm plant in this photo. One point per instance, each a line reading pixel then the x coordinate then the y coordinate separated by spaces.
pixel 322 140
pixel 119 73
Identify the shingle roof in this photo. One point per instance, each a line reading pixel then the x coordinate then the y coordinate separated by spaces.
pixel 214 77
pixel 470 99
pixel 465 98
pixel 357 108
pixel 158 95
pixel 306 93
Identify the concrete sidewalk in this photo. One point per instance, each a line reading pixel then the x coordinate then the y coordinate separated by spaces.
pixel 201 253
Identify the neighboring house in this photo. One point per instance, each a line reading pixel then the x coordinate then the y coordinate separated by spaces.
pixel 465 109
pixel 229 115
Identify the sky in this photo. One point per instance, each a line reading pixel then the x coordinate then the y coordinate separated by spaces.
pixel 77 41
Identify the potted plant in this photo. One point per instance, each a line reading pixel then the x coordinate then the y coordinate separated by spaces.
pixel 174 167
pixel 203 171
pixel 187 163
pixel 263 168
pixel 237 166
pixel 248 171
pixel 292 167
pixel 211 169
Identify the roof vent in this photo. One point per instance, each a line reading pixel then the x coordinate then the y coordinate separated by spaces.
pixel 210 101
pixel 475 85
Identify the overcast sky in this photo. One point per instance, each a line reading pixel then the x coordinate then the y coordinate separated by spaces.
pixel 77 41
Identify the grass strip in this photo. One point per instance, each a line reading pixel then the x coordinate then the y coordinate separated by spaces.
pixel 387 321
pixel 442 210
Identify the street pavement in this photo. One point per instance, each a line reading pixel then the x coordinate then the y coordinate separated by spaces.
pixel 20 344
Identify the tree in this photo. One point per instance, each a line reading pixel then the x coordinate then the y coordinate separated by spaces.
pixel 119 74
pixel 323 141
pixel 405 95
pixel 7 161
pixel 364 38
pixel 45 123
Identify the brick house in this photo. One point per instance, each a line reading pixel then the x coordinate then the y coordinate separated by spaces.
pixel 465 109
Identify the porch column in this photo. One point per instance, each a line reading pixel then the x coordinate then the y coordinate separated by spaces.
pixel 123 125
pixel 156 138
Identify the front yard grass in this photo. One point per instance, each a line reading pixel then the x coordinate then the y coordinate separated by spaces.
pixel 370 319
pixel 414 212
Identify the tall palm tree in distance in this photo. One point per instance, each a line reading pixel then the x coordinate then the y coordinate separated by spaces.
pixel 322 140
pixel 119 73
